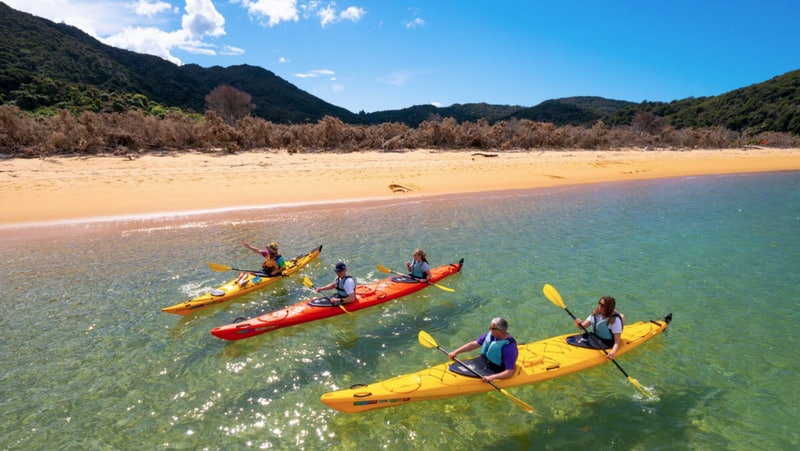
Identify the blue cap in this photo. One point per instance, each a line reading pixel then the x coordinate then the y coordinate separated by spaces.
pixel 340 266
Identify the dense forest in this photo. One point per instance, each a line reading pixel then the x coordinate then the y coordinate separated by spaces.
pixel 63 92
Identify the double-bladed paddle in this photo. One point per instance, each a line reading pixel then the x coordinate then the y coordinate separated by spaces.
pixel 386 270
pixel 553 295
pixel 308 283
pixel 217 267
pixel 429 342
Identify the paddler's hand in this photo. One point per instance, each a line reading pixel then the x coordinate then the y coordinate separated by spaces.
pixel 578 323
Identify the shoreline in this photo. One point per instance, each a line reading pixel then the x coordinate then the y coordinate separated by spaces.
pixel 60 190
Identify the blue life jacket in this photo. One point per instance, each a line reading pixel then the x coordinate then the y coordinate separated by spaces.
pixel 492 350
pixel 340 286
pixel 416 270
pixel 601 329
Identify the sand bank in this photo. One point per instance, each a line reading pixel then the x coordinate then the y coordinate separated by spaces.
pixel 67 188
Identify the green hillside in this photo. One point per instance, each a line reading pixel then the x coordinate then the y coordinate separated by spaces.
pixel 43 64
pixel 773 105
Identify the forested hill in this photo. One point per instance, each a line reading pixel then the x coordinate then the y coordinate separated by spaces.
pixel 43 64
pixel 46 66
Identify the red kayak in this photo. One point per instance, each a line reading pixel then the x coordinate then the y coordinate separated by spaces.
pixel 368 295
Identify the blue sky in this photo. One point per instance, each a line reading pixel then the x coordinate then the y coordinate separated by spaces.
pixel 376 55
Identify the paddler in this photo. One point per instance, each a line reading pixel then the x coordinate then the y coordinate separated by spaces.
pixel 418 266
pixel 345 286
pixel 273 261
pixel 498 348
pixel 606 324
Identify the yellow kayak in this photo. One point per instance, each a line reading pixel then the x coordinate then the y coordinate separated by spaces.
pixel 537 361
pixel 245 282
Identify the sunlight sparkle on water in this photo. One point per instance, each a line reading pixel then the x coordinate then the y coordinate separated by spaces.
pixel 235 367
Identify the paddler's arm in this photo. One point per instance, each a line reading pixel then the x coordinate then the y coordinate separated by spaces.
pixel 325 287
pixel 501 375
pixel 464 348
pixel 253 248
pixel 348 299
pixel 613 351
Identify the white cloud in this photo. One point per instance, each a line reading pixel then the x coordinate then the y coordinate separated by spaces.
pixel 150 9
pixel 231 50
pixel 202 19
pixel 316 73
pixel 418 22
pixel 151 41
pixel 353 14
pixel 276 11
pixel 328 14
pixel 273 12
pixel 283 60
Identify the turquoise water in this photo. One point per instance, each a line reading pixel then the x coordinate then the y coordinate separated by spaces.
pixel 90 362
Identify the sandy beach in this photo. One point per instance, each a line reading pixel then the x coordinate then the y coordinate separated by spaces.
pixel 72 188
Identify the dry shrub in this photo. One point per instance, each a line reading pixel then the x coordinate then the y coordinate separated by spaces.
pixel 17 131
pixel 774 139
pixel 214 133
pixel 133 131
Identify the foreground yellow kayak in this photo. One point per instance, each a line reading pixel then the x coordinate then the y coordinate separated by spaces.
pixel 246 282
pixel 537 361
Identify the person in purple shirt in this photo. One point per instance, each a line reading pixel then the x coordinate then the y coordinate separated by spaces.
pixel 274 264
pixel 497 347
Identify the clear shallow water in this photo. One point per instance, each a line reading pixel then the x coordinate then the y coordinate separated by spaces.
pixel 90 362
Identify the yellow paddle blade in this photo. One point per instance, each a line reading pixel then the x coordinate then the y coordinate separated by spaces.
pixel 426 340
pixel 307 282
pixel 218 267
pixel 638 386
pixel 520 403
pixel 344 309
pixel 383 269
pixel 442 287
pixel 553 295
